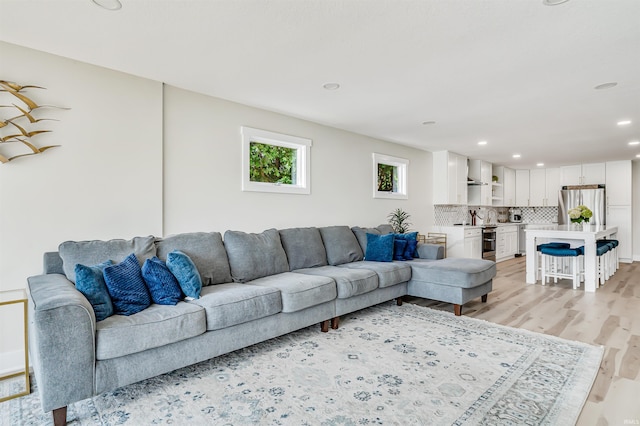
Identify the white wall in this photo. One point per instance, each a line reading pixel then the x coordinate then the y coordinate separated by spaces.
pixel 635 218
pixel 105 181
pixel 203 172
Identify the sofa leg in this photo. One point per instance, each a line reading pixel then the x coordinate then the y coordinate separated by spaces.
pixel 457 309
pixel 60 416
pixel 399 301
pixel 324 326
pixel 335 323
pixel 484 298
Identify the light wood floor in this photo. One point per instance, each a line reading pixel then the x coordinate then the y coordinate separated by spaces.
pixel 609 317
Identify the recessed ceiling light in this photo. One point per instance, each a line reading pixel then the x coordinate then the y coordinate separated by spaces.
pixel 604 86
pixel 638 155
pixel 624 122
pixel 553 2
pixel 516 155
pixel 108 4
pixel 540 164
pixel 634 143
pixel 427 123
pixel 482 143
pixel 331 86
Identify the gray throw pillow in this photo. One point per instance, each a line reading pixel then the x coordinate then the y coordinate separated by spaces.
pixel 253 256
pixel 341 245
pixel 205 249
pixel 304 247
pixel 96 252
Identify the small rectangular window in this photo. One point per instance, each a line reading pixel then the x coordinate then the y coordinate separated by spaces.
pixel 274 162
pixel 389 177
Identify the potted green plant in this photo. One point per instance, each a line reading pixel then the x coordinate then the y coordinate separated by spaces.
pixel 399 221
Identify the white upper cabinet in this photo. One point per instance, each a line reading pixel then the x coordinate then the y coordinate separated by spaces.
pixel 449 178
pixel 618 183
pixel 504 189
pixel 543 187
pixel 583 174
pixel 522 188
pixel 480 171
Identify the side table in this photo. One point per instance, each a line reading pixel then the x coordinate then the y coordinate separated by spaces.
pixel 11 297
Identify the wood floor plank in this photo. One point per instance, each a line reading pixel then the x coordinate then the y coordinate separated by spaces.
pixel 630 366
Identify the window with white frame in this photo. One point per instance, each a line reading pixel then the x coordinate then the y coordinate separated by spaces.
pixel 390 177
pixel 273 162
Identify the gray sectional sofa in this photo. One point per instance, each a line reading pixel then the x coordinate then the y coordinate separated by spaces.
pixel 255 287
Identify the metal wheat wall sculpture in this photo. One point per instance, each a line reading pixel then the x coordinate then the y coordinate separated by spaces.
pixel 19 129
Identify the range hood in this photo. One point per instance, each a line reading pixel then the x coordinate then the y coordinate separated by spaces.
pixel 471 182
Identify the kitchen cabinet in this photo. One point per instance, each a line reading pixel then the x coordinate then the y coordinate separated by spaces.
pixel 522 188
pixel 618 182
pixel 620 216
pixel 463 241
pixel 481 172
pixel 506 242
pixel 544 185
pixel 504 191
pixel 583 174
pixel 449 178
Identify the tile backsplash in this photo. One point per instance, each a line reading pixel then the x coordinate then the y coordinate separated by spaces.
pixel 447 215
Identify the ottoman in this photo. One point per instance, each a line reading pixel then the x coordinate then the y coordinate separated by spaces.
pixel 451 280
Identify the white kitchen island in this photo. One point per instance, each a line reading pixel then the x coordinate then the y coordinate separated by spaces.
pixel 576 236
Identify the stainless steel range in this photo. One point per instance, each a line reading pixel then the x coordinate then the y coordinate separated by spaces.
pixel 489 242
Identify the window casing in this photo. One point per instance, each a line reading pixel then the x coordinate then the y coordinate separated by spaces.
pixel 390 177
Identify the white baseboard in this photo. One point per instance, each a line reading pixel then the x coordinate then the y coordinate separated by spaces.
pixel 11 362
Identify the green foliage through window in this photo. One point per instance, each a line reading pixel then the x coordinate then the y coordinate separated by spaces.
pixel 387 178
pixel 272 163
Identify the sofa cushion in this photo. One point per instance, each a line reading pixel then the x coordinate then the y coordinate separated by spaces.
pixel 205 249
pixel 361 235
pixel 185 271
pixel 389 273
pixel 299 291
pixel 253 256
pixel 385 228
pixel 340 244
pixel 162 284
pixel 234 303
pixel 128 291
pixel 95 252
pixel 303 247
pixel 156 326
pixel 90 282
pixel 379 248
pixel 350 282
pixel 458 272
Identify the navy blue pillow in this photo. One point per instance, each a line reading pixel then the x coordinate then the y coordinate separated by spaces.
pixel 379 248
pixel 126 286
pixel 185 271
pixel 410 251
pixel 399 247
pixel 90 282
pixel 409 236
pixel 163 286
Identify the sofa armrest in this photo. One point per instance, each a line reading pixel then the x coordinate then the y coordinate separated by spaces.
pixel 61 340
pixel 430 251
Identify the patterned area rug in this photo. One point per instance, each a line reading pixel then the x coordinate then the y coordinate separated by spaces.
pixel 388 364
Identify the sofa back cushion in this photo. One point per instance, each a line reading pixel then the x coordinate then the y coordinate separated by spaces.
pixel 303 247
pixel 341 245
pixel 361 235
pixel 254 256
pixel 96 252
pixel 205 249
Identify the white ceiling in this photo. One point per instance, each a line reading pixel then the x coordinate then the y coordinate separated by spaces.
pixel 516 73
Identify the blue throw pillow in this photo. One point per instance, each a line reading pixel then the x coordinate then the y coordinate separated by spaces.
pixel 90 282
pixel 399 247
pixel 185 271
pixel 410 236
pixel 126 286
pixel 379 248
pixel 163 286
pixel 410 251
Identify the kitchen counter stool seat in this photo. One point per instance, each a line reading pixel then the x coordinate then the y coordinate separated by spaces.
pixel 552 264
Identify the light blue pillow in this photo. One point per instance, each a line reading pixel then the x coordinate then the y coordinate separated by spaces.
pixel 126 286
pixel 379 248
pixel 90 282
pixel 185 271
pixel 163 286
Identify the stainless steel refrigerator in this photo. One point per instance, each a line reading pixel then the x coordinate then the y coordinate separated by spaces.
pixel 592 196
